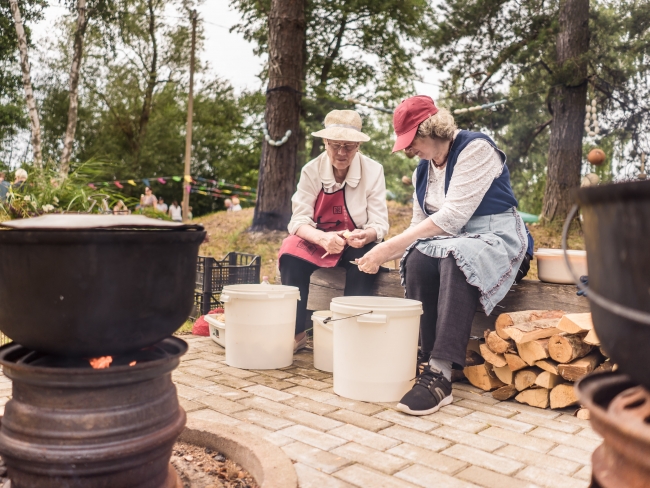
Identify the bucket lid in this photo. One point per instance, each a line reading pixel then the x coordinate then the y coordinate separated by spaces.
pixel 393 307
pixel 260 292
pixel 89 222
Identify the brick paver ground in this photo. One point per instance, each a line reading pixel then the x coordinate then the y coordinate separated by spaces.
pixel 335 442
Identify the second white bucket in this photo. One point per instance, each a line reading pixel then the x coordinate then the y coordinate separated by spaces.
pixel 323 356
pixel 261 325
pixel 375 347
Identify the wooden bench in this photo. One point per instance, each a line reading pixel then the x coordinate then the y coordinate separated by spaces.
pixel 328 283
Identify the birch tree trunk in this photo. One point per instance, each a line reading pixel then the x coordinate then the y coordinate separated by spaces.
pixel 568 106
pixel 75 68
pixel 27 83
pixel 278 165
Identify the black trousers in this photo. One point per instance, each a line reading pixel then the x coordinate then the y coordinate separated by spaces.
pixel 297 272
pixel 448 302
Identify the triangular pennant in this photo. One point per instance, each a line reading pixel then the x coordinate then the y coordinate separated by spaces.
pixel 118 184
pixel 92 186
pixel 176 178
pixel 131 182
pixel 146 181
pixel 188 178
pixel 161 181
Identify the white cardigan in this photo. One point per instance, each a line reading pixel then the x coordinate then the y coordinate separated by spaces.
pixel 365 193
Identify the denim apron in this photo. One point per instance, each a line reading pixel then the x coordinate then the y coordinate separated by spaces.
pixel 488 250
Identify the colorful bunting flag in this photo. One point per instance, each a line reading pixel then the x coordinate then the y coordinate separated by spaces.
pixel 146 181
pixel 118 184
pixel 92 186
pixel 162 181
pixel 131 182
pixel 176 178
pixel 188 178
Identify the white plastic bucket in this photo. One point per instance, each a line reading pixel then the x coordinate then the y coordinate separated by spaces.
pixel 261 325
pixel 323 355
pixel 217 330
pixel 375 352
pixel 552 268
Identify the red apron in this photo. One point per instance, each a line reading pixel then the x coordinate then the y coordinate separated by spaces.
pixel 331 215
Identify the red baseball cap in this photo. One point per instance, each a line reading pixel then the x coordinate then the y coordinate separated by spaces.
pixel 408 116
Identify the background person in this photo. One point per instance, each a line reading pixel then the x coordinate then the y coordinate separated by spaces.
pixel 339 191
pixel 228 204
pixel 236 207
pixel 161 205
pixel 175 212
pixel 148 199
pixel 20 177
pixel 4 187
pixel 465 244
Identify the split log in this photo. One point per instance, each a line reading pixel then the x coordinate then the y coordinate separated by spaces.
pixel 505 392
pixel 563 396
pixel 531 331
pixel 525 378
pixel 535 397
pixel 515 363
pixel 548 365
pixel 494 359
pixel 580 367
pixel 548 380
pixel 605 366
pixel 583 414
pixel 472 345
pixel 564 347
pixel 504 374
pixel 575 323
pixel 506 320
pixel 473 358
pixel 482 377
pixel 497 344
pixel 591 338
pixel 533 351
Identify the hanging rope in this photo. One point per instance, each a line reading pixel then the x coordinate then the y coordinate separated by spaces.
pixel 268 139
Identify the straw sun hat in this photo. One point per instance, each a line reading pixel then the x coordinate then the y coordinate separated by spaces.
pixel 342 125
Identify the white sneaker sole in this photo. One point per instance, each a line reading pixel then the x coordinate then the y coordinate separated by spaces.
pixel 445 401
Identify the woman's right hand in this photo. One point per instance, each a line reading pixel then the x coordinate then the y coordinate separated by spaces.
pixel 332 242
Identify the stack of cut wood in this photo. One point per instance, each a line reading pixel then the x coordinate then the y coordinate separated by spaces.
pixel 535 356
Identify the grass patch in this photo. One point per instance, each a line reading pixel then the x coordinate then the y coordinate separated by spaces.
pixel 185 329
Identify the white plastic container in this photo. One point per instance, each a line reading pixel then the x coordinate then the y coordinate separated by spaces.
pixel 323 339
pixel 375 352
pixel 551 267
pixel 217 330
pixel 261 325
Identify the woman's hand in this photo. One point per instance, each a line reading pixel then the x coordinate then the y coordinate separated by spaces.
pixel 360 237
pixel 378 255
pixel 332 242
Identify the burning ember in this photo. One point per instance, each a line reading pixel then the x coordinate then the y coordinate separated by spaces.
pixel 101 362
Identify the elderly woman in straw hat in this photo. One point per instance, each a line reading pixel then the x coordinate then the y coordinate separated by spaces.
pixel 465 246
pixel 339 213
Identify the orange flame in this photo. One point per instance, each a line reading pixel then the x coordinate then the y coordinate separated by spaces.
pixel 101 362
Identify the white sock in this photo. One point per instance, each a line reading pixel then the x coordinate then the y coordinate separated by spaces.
pixel 441 366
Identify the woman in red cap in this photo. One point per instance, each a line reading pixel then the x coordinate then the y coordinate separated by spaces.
pixel 465 245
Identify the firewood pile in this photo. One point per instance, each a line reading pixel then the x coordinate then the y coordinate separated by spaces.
pixel 535 356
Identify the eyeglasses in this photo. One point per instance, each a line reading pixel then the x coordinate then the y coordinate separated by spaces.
pixel 345 147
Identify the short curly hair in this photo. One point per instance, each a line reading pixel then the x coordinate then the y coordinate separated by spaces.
pixel 440 125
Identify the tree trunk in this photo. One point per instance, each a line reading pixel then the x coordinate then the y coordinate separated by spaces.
pixel 279 163
pixel 568 106
pixel 27 83
pixel 77 53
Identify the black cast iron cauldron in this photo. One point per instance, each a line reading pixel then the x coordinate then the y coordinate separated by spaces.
pixel 96 292
pixel 617 236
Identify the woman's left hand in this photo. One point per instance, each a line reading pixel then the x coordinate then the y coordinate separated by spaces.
pixel 358 238
pixel 373 259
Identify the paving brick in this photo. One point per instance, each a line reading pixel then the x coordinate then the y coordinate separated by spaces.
pixel 567 452
pixel 429 478
pixel 312 478
pixel 220 404
pixel 273 373
pixel 550 479
pixel 281 410
pixel 406 420
pixel 190 356
pixel 491 409
pixel 188 392
pixel 369 478
pixel 364 421
pixel 209 415
pixel 236 372
pixel 191 380
pixel 273 437
pixel 317 396
pixel 476 397
pixel 456 410
pixel 517 439
pixel 460 423
pixel 523 408
pixel 584 473
pixel 268 393
pixel 356 406
pixel 467 387
pixel 365 437
pixel 509 424
pixel 226 392
pixel 431 459
pixel 490 479
pixel 308 405
pixel 274 383
pixel 372 458
pixel 189 405
pixel 232 381
pixel 263 419
pixel 204 363
pixel 566 439
pixel 311 373
pixel 483 459
pixel 215 358
pixel 586 432
pixel 467 438
pixel 196 371
pixel 313 437
pixel 416 438
pixel 532 458
pixel 308 382
pixel 573 420
pixel 548 423
pixel 324 461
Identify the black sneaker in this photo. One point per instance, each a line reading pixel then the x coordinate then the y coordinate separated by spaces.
pixel 430 392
